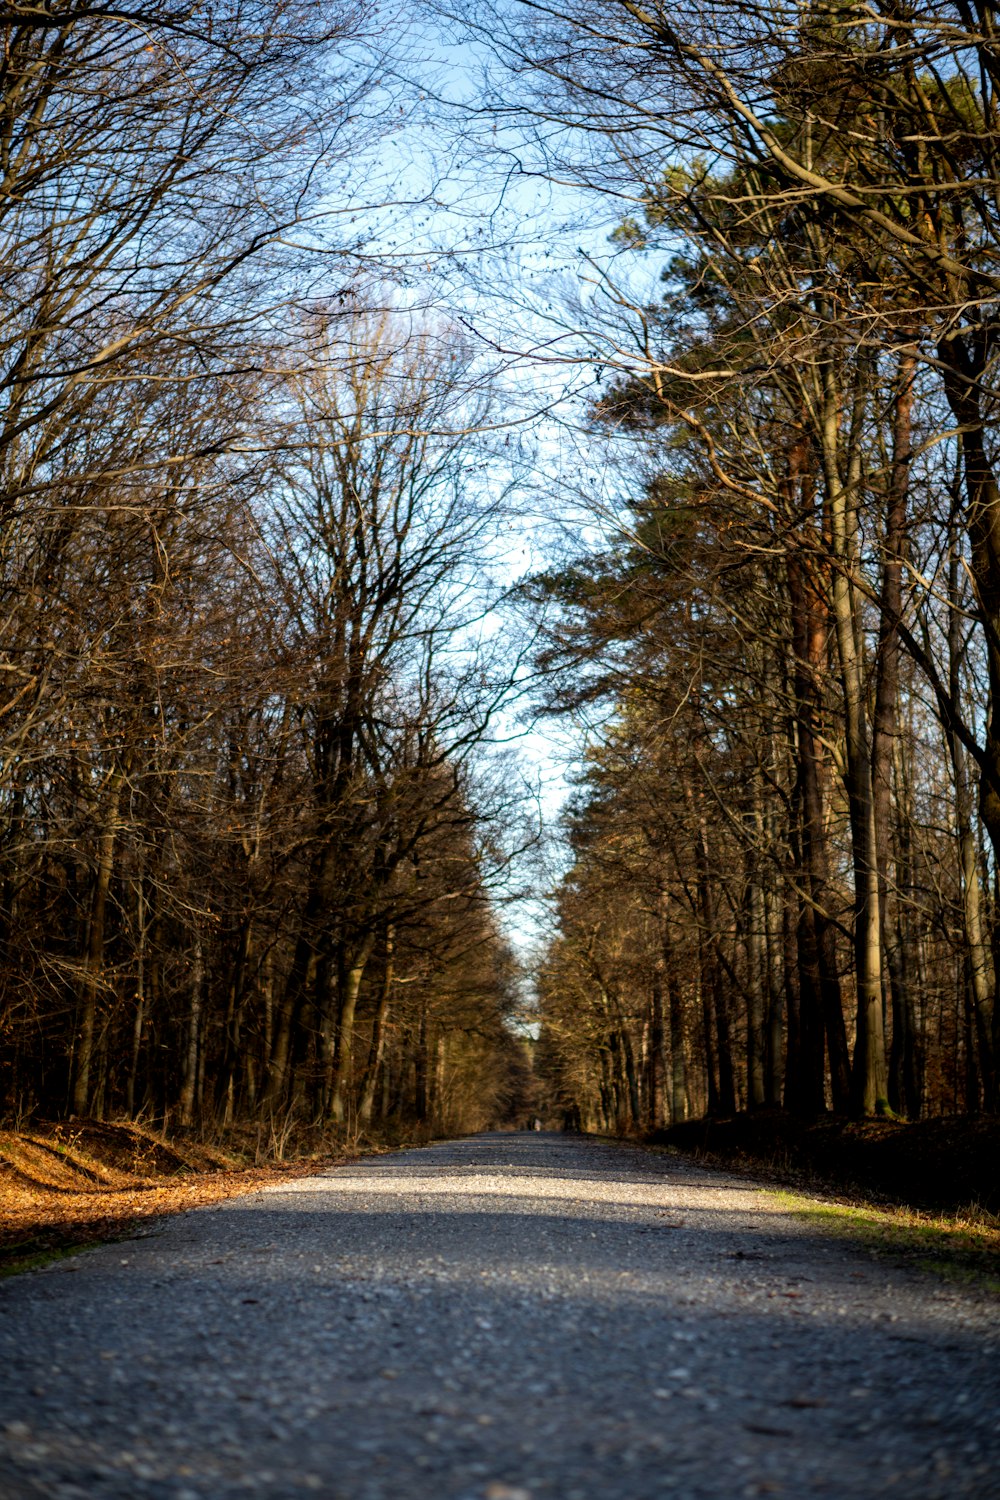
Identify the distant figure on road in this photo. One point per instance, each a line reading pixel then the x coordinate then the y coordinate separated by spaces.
pixel 536 1123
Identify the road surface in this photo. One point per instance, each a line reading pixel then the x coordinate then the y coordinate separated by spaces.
pixel 509 1317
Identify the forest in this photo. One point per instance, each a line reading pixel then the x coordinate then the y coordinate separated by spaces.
pixel 269 642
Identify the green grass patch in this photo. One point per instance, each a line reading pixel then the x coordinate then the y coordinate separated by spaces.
pixel 964 1247
pixel 31 1256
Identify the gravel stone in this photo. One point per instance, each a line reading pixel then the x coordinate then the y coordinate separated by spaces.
pixel 509 1317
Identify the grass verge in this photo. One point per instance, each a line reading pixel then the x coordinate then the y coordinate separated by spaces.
pixel 937 1166
pixel 962 1248
pixel 25 1257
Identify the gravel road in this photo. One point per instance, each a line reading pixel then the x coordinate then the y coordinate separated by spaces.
pixel 509 1317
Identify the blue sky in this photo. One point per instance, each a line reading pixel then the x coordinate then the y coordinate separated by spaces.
pixel 467 228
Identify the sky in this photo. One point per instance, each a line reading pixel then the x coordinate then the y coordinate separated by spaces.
pixel 468 230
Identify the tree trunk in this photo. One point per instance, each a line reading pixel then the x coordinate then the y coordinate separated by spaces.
pixel 225 1093
pixel 981 978
pixel 420 1066
pixel 884 718
pixel 775 1051
pixel 678 1062
pixel 906 1040
pixel 189 1085
pixel 655 1060
pixel 713 990
pixel 289 1009
pixel 343 1066
pixel 820 1005
pixel 631 1076
pixel 94 960
pixel 675 1016
pixel 140 998
pixel 375 1049
pixel 439 1100
pixel 963 370
pixel 869 1083
pixel 756 969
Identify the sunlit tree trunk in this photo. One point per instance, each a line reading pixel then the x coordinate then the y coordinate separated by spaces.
pixel 905 1057
pixel 869 1074
pixel 980 968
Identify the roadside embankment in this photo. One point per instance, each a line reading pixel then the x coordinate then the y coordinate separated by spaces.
pixel 945 1165
pixel 925 1193
pixel 65 1185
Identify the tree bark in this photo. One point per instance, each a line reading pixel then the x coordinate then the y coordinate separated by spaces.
pixel 343 1065
pixel 713 990
pixel 140 998
pixel 819 1004
pixel 675 1017
pixel 189 1085
pixel 776 1007
pixel 869 1082
pixel 367 1100
pixel 94 960
pixel 420 1065
pixel 981 981
pixel 756 966
pixel 884 719
pixel 655 1059
pixel 964 365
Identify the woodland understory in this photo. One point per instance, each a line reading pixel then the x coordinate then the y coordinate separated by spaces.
pixel 265 634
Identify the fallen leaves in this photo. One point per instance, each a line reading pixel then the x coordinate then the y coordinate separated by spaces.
pixel 52 1199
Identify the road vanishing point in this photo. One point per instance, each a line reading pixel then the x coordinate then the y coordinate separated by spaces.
pixel 507 1317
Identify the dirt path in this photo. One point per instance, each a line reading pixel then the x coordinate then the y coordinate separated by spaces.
pixel 496 1319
